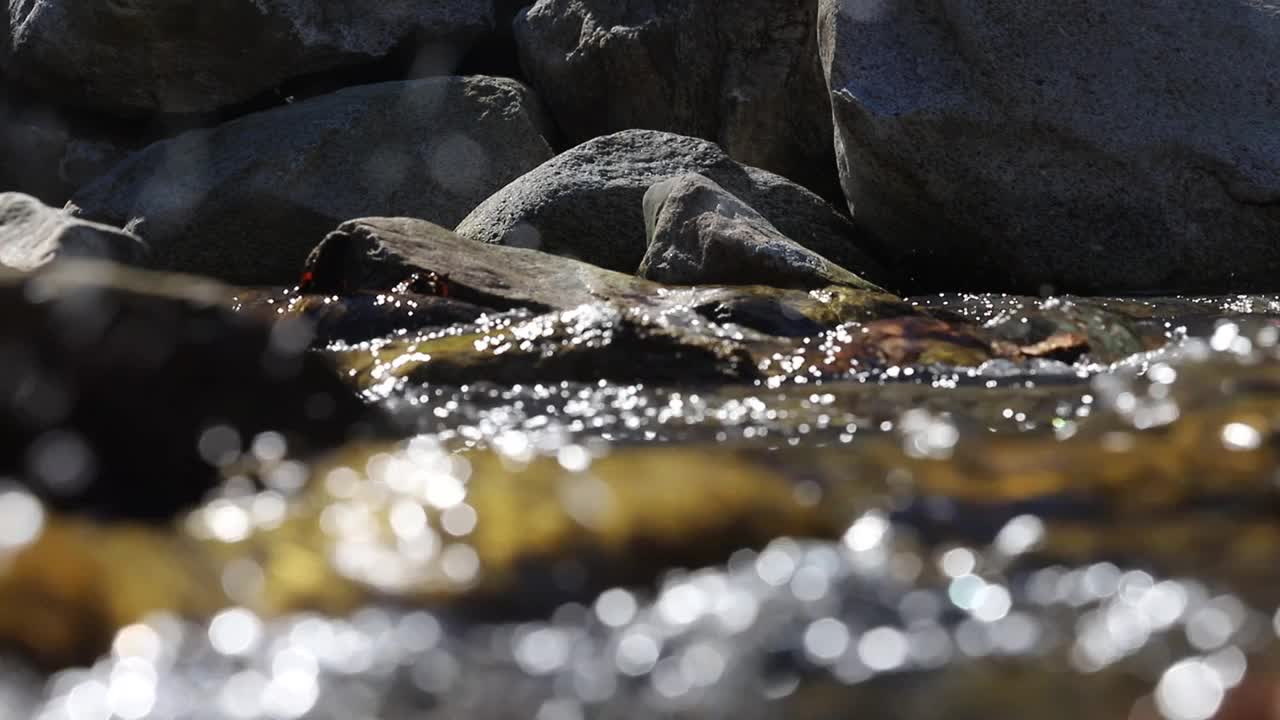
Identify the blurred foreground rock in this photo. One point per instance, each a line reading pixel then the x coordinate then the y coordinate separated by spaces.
pixel 123 392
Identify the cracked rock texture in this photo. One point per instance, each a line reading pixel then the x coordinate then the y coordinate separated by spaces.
pixel 1085 144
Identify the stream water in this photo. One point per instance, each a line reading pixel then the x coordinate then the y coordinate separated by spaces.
pixel 1095 536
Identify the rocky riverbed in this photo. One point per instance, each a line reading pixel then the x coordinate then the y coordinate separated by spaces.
pixel 578 359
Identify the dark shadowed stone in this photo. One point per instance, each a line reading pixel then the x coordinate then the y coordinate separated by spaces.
pixel 743 74
pixel 1094 146
pixel 587 202
pixel 33 234
pixel 700 234
pixel 49 153
pixel 122 390
pixel 182 56
pixel 246 201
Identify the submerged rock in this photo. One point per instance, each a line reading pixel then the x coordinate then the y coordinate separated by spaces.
pixel 590 343
pixel 247 200
pixel 123 392
pixel 33 234
pixel 183 56
pixel 1067 327
pixel 588 202
pixel 700 234
pixel 745 75
pixel 991 146
pixel 357 317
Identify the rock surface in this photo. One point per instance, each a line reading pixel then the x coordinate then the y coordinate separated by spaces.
pixel 377 255
pixel 182 56
pixel 122 390
pixel 1089 146
pixel 743 74
pixel 588 202
pixel 33 234
pixel 246 201
pixel 358 316
pixel 50 153
pixel 699 234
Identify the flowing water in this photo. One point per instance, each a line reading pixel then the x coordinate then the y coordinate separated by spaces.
pixel 1091 535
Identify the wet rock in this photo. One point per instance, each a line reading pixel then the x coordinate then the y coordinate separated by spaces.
pixel 33 234
pixel 896 342
pixel 375 254
pixel 246 201
pixel 589 343
pixel 700 234
pixel 1093 158
pixel 358 316
pixel 588 202
pixel 1065 327
pixel 192 56
pixel 378 254
pixel 745 75
pixel 790 313
pixel 124 391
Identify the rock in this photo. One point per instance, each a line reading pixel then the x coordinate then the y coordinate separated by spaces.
pixel 700 234
pixel 745 75
pixel 598 341
pixel 357 317
pixel 247 200
pixel 378 255
pixel 123 391
pixel 185 56
pixel 587 202
pixel 1078 144
pixel 33 234
pixel 1062 327
pixel 49 153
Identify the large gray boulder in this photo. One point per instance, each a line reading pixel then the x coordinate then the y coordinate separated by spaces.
pixel 129 56
pixel 743 74
pixel 248 200
pixel 33 234
pixel 699 234
pixel 1086 144
pixel 588 202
